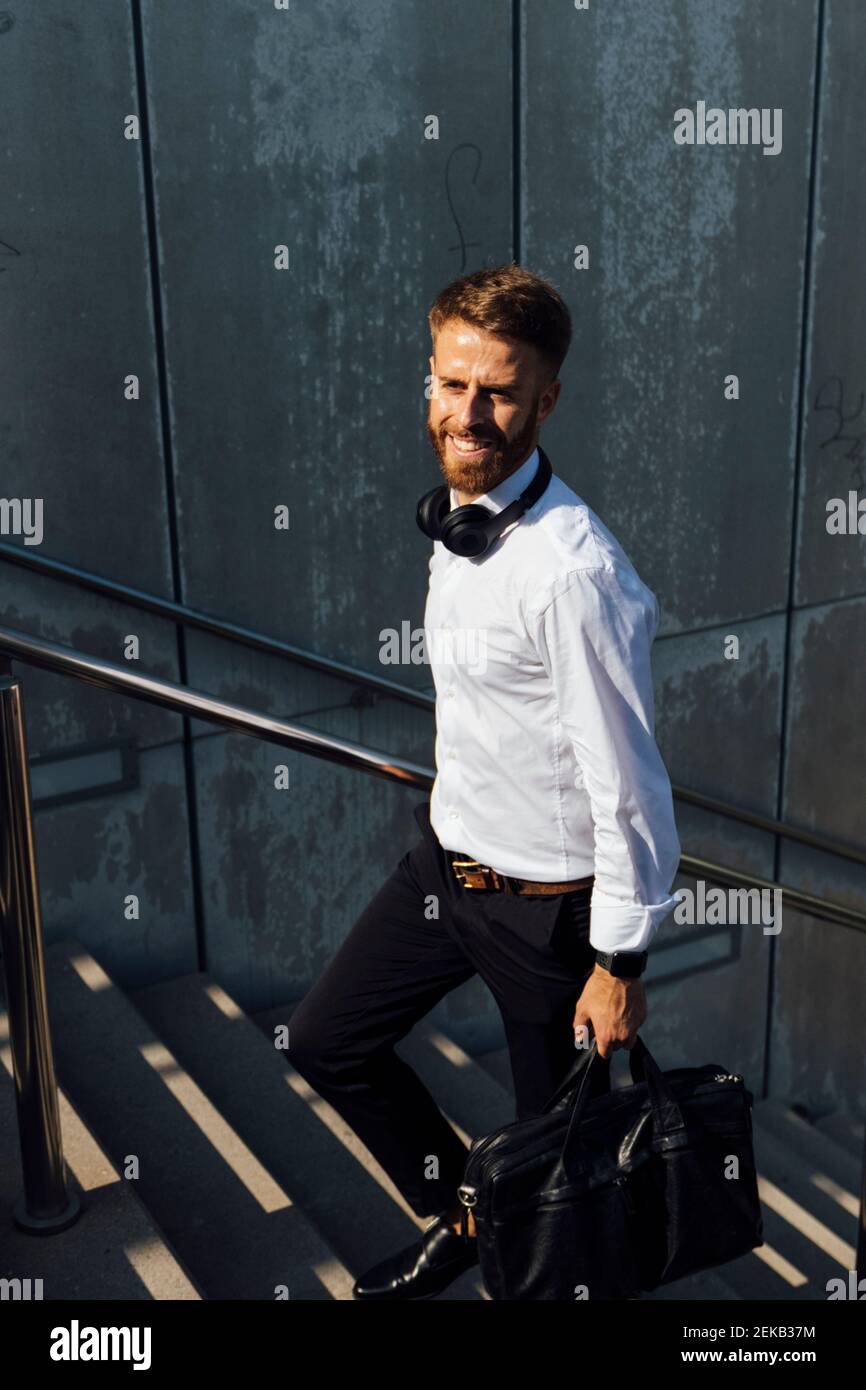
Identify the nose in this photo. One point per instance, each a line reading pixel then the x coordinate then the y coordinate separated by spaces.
pixel 471 414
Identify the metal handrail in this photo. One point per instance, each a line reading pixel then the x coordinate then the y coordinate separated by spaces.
pixel 236 632
pixel 218 627
pixel 197 704
pixel 774 827
pixel 39 1115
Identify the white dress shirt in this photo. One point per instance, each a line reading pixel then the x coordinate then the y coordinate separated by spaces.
pixel 546 762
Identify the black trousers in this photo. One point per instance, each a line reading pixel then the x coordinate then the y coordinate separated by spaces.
pixel 420 937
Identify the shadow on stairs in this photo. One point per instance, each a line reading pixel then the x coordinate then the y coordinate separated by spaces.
pixel 210 1169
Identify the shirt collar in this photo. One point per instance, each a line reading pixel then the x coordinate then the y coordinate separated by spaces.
pixel 511 487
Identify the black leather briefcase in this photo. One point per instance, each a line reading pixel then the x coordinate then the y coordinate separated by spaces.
pixel 609 1193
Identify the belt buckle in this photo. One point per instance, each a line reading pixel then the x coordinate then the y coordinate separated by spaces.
pixel 470 874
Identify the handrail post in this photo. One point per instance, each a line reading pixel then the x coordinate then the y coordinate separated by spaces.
pixel 860 1260
pixel 46 1206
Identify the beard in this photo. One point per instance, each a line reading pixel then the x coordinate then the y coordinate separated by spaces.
pixel 505 457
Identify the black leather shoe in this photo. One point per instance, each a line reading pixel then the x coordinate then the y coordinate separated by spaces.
pixel 423 1269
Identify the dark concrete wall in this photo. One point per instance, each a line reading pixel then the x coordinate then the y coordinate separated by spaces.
pixel 305 387
pixel 77 319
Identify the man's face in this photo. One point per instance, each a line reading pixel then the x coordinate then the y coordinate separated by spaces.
pixel 490 394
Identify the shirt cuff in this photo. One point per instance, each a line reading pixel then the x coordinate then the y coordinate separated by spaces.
pixel 618 926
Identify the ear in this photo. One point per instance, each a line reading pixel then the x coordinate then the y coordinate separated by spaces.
pixel 549 397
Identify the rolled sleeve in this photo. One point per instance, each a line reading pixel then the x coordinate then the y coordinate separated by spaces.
pixel 594 639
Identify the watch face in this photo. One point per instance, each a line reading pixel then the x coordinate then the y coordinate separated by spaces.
pixel 627 964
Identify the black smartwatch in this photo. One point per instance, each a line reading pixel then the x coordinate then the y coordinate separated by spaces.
pixel 625 965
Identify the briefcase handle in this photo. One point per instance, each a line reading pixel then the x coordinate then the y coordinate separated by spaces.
pixel 581 1065
pixel 667 1117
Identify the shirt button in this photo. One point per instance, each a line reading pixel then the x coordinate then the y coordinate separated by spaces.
pixel 454 815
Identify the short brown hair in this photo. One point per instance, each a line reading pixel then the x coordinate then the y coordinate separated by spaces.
pixel 513 302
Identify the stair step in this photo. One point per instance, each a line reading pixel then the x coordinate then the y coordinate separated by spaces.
pixel 114 1250
pixel 233 1225
pixel 497 1064
pixel 808 1185
pixel 830 1164
pixel 845 1130
pixel 474 1100
pixel 293 1133
pixel 831 1203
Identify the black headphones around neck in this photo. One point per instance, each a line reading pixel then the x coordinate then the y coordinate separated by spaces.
pixel 472 529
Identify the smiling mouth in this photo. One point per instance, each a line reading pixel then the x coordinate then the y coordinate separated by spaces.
pixel 467 446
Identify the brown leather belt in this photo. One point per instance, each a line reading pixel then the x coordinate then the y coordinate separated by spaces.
pixel 471 874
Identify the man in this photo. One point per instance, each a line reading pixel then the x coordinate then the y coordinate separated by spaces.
pixel 549 848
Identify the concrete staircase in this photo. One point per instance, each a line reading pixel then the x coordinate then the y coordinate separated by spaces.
pixel 116 1250
pixel 239 1182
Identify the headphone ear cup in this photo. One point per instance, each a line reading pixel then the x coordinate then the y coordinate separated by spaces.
pixel 468 530
pixel 431 509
